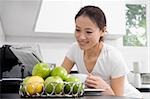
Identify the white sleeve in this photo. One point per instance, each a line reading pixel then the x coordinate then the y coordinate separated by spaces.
pixel 119 66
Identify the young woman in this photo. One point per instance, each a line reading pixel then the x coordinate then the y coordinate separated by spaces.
pixel 104 64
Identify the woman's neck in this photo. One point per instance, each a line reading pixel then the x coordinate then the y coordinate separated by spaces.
pixel 94 51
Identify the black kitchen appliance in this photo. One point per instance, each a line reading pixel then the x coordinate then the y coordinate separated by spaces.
pixel 7 62
pixel 16 62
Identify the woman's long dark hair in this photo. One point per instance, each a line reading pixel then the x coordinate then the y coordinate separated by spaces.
pixel 95 14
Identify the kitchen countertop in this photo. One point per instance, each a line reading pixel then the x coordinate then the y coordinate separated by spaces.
pixel 144 88
pixel 16 96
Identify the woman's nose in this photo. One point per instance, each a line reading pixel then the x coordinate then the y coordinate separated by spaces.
pixel 82 36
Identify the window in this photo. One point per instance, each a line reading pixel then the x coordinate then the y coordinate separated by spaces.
pixel 136 41
pixel 136 28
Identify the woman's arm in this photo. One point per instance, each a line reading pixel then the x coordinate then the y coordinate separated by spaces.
pixel 116 87
pixel 67 64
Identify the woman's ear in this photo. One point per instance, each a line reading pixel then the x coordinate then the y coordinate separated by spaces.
pixel 104 30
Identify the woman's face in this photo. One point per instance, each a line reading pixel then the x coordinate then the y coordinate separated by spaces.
pixel 87 32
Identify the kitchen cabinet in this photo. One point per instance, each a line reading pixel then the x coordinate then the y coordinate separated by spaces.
pixel 145 90
pixel 146 95
pixel 114 12
pixel 58 16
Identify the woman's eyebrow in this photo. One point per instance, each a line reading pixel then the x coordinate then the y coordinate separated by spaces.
pixel 85 28
pixel 88 29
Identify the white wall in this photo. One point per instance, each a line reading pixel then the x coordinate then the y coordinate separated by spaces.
pixel 54 52
pixel 2 36
pixel 139 55
pixel 18 20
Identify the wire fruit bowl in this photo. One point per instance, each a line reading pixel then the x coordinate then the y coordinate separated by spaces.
pixel 52 89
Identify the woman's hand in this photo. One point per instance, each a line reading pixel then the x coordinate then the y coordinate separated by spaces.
pixel 116 88
pixel 96 82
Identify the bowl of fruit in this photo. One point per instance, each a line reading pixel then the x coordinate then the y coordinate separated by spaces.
pixel 47 82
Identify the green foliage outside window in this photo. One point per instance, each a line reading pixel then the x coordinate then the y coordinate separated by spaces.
pixel 135 26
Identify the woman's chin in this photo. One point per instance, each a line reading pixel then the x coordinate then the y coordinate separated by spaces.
pixel 83 48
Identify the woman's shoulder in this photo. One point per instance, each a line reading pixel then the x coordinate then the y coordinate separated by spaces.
pixel 111 51
pixel 75 47
pixel 74 44
pixel 109 48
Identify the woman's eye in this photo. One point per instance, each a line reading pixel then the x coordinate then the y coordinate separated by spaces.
pixel 77 30
pixel 88 32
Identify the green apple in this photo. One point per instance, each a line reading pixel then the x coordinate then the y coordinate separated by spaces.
pixel 60 71
pixel 41 69
pixel 74 82
pixel 53 84
pixel 68 76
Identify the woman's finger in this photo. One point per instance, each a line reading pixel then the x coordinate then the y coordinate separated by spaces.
pixel 90 85
pixel 91 77
pixel 89 81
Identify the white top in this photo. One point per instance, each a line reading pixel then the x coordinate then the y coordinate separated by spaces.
pixel 110 64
